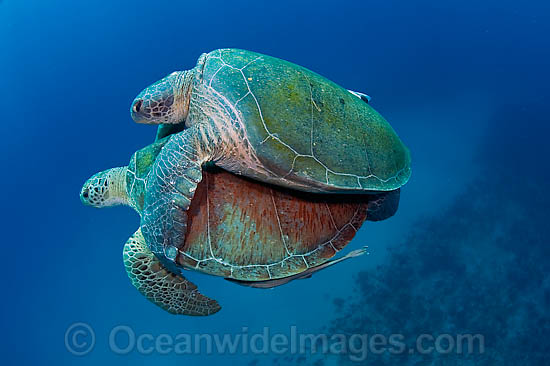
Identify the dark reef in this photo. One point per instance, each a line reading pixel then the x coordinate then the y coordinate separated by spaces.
pixel 480 266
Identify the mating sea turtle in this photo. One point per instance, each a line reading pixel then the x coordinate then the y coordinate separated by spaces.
pixel 252 233
pixel 266 119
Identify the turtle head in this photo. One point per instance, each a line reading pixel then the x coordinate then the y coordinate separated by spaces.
pixel 107 188
pixel 166 101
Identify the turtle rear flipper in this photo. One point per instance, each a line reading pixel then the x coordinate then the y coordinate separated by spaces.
pixel 383 205
pixel 171 292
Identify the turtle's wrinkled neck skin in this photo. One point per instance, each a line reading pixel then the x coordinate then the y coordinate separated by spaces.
pixel 106 188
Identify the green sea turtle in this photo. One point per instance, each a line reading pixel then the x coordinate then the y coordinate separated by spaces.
pixel 248 232
pixel 263 118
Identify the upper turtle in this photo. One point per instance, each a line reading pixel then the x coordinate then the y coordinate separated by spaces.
pixel 266 119
pixel 298 124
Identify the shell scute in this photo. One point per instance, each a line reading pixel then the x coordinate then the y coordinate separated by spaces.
pixel 309 115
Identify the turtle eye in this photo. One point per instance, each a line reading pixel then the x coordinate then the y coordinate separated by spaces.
pixel 137 106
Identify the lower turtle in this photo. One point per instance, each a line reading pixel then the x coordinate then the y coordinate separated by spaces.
pixel 250 233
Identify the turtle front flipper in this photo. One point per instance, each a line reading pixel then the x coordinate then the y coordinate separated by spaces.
pixel 171 184
pixel 171 292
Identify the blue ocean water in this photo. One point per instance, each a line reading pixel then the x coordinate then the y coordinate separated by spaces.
pixel 464 83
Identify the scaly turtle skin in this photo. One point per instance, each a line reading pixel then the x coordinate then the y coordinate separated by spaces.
pixel 251 233
pixel 267 119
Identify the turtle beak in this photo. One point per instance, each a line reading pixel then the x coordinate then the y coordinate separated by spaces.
pixel 136 110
